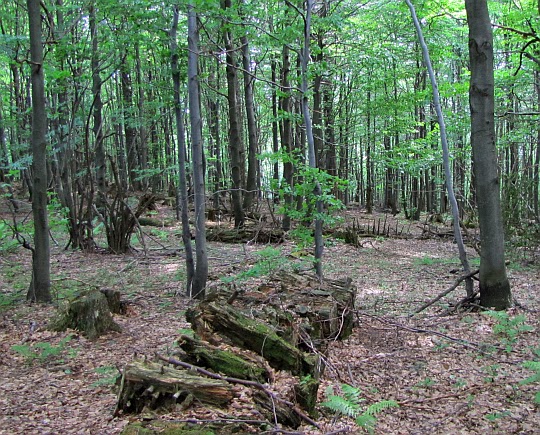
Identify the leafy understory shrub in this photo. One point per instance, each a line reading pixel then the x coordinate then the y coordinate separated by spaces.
pixel 42 351
pixel 509 328
pixel 350 403
pixel 534 366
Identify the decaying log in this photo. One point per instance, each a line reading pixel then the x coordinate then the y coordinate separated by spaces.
pixel 246 234
pixel 151 385
pixel 88 313
pixel 221 361
pixel 273 402
pixel 216 317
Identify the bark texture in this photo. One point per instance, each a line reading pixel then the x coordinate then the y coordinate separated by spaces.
pixel 494 286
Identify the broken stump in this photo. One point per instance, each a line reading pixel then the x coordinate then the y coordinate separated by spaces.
pixel 88 313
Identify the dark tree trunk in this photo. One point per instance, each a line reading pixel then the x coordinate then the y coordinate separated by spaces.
pixel 99 159
pixel 249 80
pixel 40 286
pixel 494 286
pixel 236 146
pixel 286 136
pixel 201 271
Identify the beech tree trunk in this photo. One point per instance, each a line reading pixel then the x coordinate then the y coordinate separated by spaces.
pixel 181 139
pixel 39 290
pixel 494 286
pixel 201 269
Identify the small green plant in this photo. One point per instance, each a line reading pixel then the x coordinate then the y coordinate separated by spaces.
pixel 43 351
pixel 509 328
pixel 494 416
pixel 534 366
pixel 426 383
pixel 492 371
pixel 269 260
pixel 108 375
pixel 350 403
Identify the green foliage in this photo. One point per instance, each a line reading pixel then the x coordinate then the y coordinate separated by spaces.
pixel 108 375
pixel 349 403
pixel 535 378
pixel 42 351
pixel 509 328
pixel 269 260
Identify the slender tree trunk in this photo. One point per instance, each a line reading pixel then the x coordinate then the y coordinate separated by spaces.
pixel 236 146
pixel 40 285
pixel 99 159
pixel 253 141
pixel 201 270
pixel 181 139
pixel 536 169
pixel 494 286
pixel 446 154
pixel 286 136
pixel 318 233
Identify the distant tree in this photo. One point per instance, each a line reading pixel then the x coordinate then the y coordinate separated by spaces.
pixel 201 268
pixel 40 285
pixel 181 135
pixel 494 286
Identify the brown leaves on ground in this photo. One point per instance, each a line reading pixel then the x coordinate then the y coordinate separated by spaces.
pixel 450 374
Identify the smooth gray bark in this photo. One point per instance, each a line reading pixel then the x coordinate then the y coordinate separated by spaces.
pixel 181 139
pixel 318 233
pixel 40 286
pixel 446 153
pixel 201 268
pixel 494 286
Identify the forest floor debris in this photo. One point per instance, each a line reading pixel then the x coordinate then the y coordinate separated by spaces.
pixel 450 374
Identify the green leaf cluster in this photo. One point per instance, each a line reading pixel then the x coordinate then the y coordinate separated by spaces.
pixel 349 403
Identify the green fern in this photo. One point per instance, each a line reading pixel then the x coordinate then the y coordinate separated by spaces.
pixel 535 366
pixel 349 404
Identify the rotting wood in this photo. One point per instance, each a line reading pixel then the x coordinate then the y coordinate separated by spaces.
pixel 256 234
pixel 149 385
pixel 272 396
pixel 227 362
pixel 88 313
pixel 216 317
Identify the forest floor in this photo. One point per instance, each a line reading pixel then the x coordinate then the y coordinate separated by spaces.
pixel 450 373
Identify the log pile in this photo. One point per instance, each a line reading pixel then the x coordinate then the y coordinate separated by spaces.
pixel 245 338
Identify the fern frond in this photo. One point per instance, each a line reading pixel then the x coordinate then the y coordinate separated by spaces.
pixel 367 422
pixel 375 408
pixel 342 405
pixel 351 393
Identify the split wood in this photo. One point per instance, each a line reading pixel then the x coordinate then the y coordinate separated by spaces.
pixel 244 382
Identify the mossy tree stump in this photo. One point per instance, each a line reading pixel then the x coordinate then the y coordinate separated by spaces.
pixel 88 313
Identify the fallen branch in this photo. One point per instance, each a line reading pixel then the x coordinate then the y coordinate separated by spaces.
pixel 447 291
pixel 244 382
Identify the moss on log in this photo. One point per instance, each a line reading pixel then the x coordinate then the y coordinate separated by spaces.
pixel 221 361
pixel 148 385
pixel 88 313
pixel 251 334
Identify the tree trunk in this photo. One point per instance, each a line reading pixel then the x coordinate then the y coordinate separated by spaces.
pixel 317 192
pixel 201 271
pixel 249 80
pixel 181 139
pixel 286 137
pixel 99 159
pixel 236 146
pixel 494 286
pixel 39 290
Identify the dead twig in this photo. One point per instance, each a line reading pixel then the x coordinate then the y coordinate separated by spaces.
pixel 447 291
